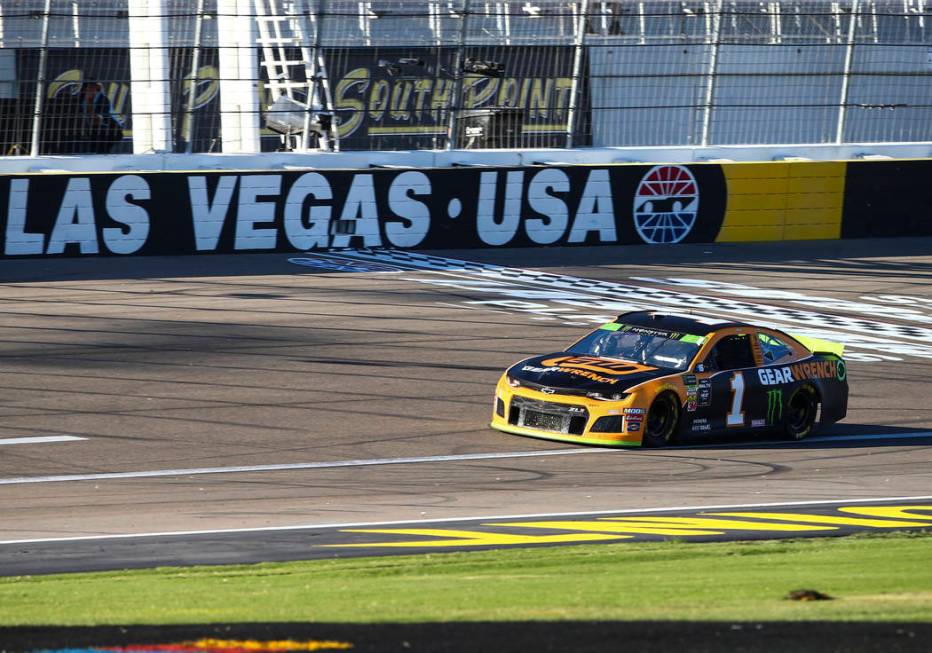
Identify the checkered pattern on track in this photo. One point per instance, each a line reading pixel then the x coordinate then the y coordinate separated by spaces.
pixel 620 291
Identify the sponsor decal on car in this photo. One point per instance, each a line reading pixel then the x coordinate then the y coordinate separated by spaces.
pixel 587 367
pixel 701 424
pixel 799 371
pixel 692 392
pixel 539 370
pixel 597 365
pixel 634 417
pixel 755 423
pixel 775 376
pixel 816 370
pixel 592 376
pixel 774 405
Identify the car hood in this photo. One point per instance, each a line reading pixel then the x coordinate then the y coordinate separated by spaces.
pixel 574 374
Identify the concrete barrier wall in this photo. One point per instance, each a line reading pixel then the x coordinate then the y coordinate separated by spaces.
pixel 159 213
pixel 886 198
pixel 799 200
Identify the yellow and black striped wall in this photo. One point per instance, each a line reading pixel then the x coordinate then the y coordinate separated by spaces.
pixel 803 200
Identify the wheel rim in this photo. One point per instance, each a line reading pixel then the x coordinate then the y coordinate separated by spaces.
pixel 800 412
pixel 660 419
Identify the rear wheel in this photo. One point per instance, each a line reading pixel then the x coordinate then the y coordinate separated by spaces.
pixel 801 413
pixel 662 418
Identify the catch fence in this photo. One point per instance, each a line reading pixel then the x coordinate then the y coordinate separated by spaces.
pixel 108 76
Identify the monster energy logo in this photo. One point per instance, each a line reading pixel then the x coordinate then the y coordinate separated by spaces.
pixel 774 405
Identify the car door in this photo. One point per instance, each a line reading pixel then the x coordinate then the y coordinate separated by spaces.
pixel 775 378
pixel 727 387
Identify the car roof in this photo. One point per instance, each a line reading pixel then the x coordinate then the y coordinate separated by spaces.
pixel 696 325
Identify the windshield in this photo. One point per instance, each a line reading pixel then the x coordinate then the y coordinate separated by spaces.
pixel 655 347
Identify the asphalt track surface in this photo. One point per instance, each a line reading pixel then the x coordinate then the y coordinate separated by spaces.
pixel 219 393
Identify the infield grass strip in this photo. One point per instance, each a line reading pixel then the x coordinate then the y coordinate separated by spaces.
pixel 874 578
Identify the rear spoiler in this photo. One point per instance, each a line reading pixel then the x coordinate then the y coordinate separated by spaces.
pixel 819 346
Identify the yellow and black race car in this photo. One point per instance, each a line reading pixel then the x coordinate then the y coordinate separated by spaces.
pixel 648 378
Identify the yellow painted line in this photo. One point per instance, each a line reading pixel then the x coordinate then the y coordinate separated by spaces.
pixel 826 519
pixel 607 527
pixel 723 524
pixel 894 512
pixel 469 538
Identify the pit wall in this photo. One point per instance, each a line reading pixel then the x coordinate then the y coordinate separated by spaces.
pixel 189 212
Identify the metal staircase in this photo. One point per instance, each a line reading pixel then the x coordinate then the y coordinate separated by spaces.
pixel 287 28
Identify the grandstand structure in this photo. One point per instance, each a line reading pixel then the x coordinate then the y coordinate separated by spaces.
pixel 248 76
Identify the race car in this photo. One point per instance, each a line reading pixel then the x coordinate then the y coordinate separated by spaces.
pixel 651 378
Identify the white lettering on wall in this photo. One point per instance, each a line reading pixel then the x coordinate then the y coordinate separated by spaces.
pixel 545 232
pixel 251 211
pixel 75 220
pixel 130 240
pixel 402 204
pixel 315 231
pixel 596 210
pixel 209 216
pixel 20 242
pixel 491 231
pixel 360 206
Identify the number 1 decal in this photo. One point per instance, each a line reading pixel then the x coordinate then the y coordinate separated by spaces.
pixel 736 416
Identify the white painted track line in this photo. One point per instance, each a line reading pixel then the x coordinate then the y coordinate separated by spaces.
pixel 200 471
pixel 445 520
pixel 40 439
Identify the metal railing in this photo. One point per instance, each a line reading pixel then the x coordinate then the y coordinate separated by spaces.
pixel 108 76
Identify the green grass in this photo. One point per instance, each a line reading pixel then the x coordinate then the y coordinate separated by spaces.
pixel 874 578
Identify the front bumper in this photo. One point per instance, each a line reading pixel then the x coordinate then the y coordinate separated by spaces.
pixel 564 418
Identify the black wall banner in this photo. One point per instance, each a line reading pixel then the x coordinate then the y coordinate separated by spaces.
pixel 67 68
pixel 254 211
pixel 883 199
pixel 398 98
pixel 394 98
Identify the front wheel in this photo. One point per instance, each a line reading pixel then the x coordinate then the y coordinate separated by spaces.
pixel 801 413
pixel 662 418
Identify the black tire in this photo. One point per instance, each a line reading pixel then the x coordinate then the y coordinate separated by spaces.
pixel 801 412
pixel 662 420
